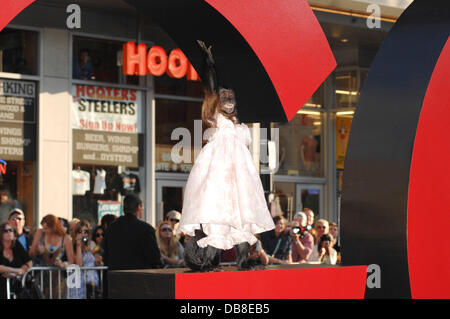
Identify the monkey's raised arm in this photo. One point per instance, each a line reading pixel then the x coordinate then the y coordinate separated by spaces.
pixel 209 76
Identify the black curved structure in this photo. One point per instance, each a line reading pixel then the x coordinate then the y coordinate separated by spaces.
pixel 377 167
pixel 237 65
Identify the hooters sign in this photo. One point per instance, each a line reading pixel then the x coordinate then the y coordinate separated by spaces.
pixel 137 61
pixel 3 166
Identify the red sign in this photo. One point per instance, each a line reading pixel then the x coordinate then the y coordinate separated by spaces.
pixel 137 61
pixel 3 165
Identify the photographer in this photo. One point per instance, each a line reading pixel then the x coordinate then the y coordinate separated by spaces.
pixel 83 258
pixel 302 240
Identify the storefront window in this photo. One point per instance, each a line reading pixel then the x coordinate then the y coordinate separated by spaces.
pixel 172 199
pixel 290 198
pixel 348 84
pixel 343 125
pixel 316 100
pixel 99 60
pixel 18 110
pixel 178 124
pixel 182 87
pixel 347 89
pixel 17 190
pixel 300 145
pixel 19 51
pixel 284 200
pixel 362 77
pixel 310 197
pixel 107 130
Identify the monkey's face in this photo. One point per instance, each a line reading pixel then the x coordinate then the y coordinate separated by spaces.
pixel 227 100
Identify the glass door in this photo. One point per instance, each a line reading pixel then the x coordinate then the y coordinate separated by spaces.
pixel 310 196
pixel 169 196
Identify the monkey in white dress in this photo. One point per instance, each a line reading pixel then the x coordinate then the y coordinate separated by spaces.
pixel 224 203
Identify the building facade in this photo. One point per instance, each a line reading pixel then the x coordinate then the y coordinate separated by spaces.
pixel 77 134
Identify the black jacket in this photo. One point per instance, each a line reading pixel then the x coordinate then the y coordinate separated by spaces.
pixel 130 243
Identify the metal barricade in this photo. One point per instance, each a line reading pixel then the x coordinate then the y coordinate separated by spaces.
pixel 55 283
pixel 8 288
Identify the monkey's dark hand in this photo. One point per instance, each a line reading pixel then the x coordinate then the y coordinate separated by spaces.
pixel 207 51
pixel 209 76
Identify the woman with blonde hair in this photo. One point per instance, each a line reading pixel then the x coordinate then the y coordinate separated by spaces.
pixel 81 241
pixel 171 249
pixel 84 258
pixel 321 228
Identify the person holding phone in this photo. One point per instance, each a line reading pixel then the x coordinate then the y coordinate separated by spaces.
pixel 324 253
pixel 83 258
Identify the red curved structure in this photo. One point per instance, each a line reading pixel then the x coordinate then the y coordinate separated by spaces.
pixel 289 42
pixel 428 198
pixel 9 9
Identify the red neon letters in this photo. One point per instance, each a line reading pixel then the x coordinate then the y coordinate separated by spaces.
pixel 3 165
pixel 136 61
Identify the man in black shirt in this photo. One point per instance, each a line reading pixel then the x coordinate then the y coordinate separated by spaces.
pixel 130 243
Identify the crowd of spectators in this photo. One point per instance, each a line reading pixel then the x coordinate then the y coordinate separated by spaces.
pixel 127 242
pixel 58 243
pixel 301 240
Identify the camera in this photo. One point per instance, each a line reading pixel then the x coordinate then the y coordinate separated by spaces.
pixel 299 230
pixel 84 240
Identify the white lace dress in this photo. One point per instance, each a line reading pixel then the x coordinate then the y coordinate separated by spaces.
pixel 224 193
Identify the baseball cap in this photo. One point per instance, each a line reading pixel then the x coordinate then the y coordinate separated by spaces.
pixel 16 211
pixel 174 214
pixel 301 215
